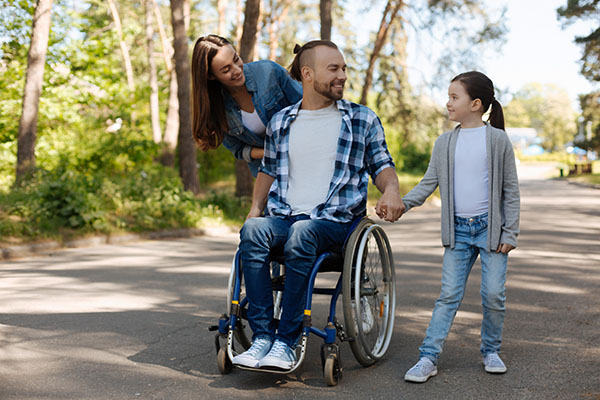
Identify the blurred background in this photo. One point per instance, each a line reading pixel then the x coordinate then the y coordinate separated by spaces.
pixel 93 138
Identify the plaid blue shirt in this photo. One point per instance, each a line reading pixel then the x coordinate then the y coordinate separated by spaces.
pixel 361 152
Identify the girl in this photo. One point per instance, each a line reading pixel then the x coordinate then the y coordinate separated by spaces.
pixel 232 103
pixel 474 166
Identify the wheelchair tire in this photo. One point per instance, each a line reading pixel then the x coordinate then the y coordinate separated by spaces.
pixel 331 370
pixel 368 290
pixel 223 362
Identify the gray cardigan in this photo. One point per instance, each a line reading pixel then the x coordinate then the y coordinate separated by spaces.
pixel 503 187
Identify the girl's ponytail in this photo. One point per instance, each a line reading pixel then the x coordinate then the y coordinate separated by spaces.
pixel 496 118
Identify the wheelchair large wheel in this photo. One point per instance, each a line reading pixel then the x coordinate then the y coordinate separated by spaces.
pixel 368 292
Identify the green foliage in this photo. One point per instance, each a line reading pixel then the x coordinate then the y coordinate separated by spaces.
pixel 113 185
pixel 545 108
pixel 585 10
pixel 590 106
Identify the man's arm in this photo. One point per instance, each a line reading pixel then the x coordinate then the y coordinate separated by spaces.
pixel 390 206
pixel 259 196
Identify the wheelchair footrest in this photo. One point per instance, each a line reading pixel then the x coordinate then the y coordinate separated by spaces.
pixel 271 370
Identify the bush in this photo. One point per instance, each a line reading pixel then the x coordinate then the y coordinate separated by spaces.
pixel 113 186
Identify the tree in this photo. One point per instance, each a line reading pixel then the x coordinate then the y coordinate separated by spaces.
pixel 124 48
pixel 274 19
pixel 326 21
pixel 187 147
pixel 390 13
pixel 585 9
pixel 590 123
pixel 154 109
pixel 243 177
pixel 548 110
pixel 248 40
pixel 36 61
pixel 466 21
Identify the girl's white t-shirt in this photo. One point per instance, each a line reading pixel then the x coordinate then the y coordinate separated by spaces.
pixel 253 123
pixel 470 173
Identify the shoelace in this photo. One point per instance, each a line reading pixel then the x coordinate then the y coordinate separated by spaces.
pixel 256 347
pixel 493 359
pixel 278 349
pixel 421 365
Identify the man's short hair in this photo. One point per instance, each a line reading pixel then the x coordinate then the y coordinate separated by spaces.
pixel 304 56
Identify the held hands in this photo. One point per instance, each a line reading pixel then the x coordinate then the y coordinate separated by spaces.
pixel 504 248
pixel 390 206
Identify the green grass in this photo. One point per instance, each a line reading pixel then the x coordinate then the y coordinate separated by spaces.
pixel 593 179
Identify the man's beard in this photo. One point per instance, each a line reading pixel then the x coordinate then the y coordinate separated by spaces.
pixel 326 89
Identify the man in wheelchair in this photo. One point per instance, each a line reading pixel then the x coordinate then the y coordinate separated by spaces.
pixel 318 156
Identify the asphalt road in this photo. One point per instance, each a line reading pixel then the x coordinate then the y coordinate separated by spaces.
pixel 130 321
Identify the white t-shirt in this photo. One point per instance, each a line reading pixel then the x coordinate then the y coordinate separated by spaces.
pixel 253 122
pixel 470 173
pixel 313 141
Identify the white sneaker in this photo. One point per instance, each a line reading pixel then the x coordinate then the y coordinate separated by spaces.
pixel 366 315
pixel 281 356
pixel 421 371
pixel 493 364
pixel 250 358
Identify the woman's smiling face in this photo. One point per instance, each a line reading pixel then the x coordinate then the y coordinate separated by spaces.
pixel 227 67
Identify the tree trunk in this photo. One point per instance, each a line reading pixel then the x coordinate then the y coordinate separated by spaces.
pixel 187 147
pixel 326 21
pixel 154 109
pixel 238 22
pixel 34 78
pixel 274 22
pixel 166 46
pixel 221 10
pixel 248 39
pixel 167 157
pixel 172 123
pixel 124 49
pixel 243 177
pixel 389 14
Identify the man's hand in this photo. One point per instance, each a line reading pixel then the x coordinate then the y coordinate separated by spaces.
pixel 504 248
pixel 254 212
pixel 390 206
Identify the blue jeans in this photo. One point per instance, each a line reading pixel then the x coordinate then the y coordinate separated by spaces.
pixel 300 239
pixel 471 241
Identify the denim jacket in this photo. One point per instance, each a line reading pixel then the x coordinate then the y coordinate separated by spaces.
pixel 272 89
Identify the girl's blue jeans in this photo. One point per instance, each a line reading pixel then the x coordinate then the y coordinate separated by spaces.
pixel 300 240
pixel 471 241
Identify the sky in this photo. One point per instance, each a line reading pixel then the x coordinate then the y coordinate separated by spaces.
pixel 537 49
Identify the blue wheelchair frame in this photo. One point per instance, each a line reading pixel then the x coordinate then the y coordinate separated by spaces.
pixel 329 334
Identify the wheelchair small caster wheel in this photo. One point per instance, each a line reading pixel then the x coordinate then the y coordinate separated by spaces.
pixel 223 362
pixel 331 370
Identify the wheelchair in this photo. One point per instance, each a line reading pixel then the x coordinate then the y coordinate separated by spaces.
pixel 366 284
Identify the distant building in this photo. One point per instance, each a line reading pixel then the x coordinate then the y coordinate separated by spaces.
pixel 525 140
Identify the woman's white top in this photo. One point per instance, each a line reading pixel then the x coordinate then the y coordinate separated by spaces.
pixel 253 123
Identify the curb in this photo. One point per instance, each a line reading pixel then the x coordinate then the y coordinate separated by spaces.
pixel 583 184
pixel 38 249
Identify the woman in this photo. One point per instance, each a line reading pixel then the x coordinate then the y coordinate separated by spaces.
pixel 233 102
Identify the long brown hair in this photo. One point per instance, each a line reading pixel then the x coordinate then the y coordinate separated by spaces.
pixel 209 122
pixel 479 86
